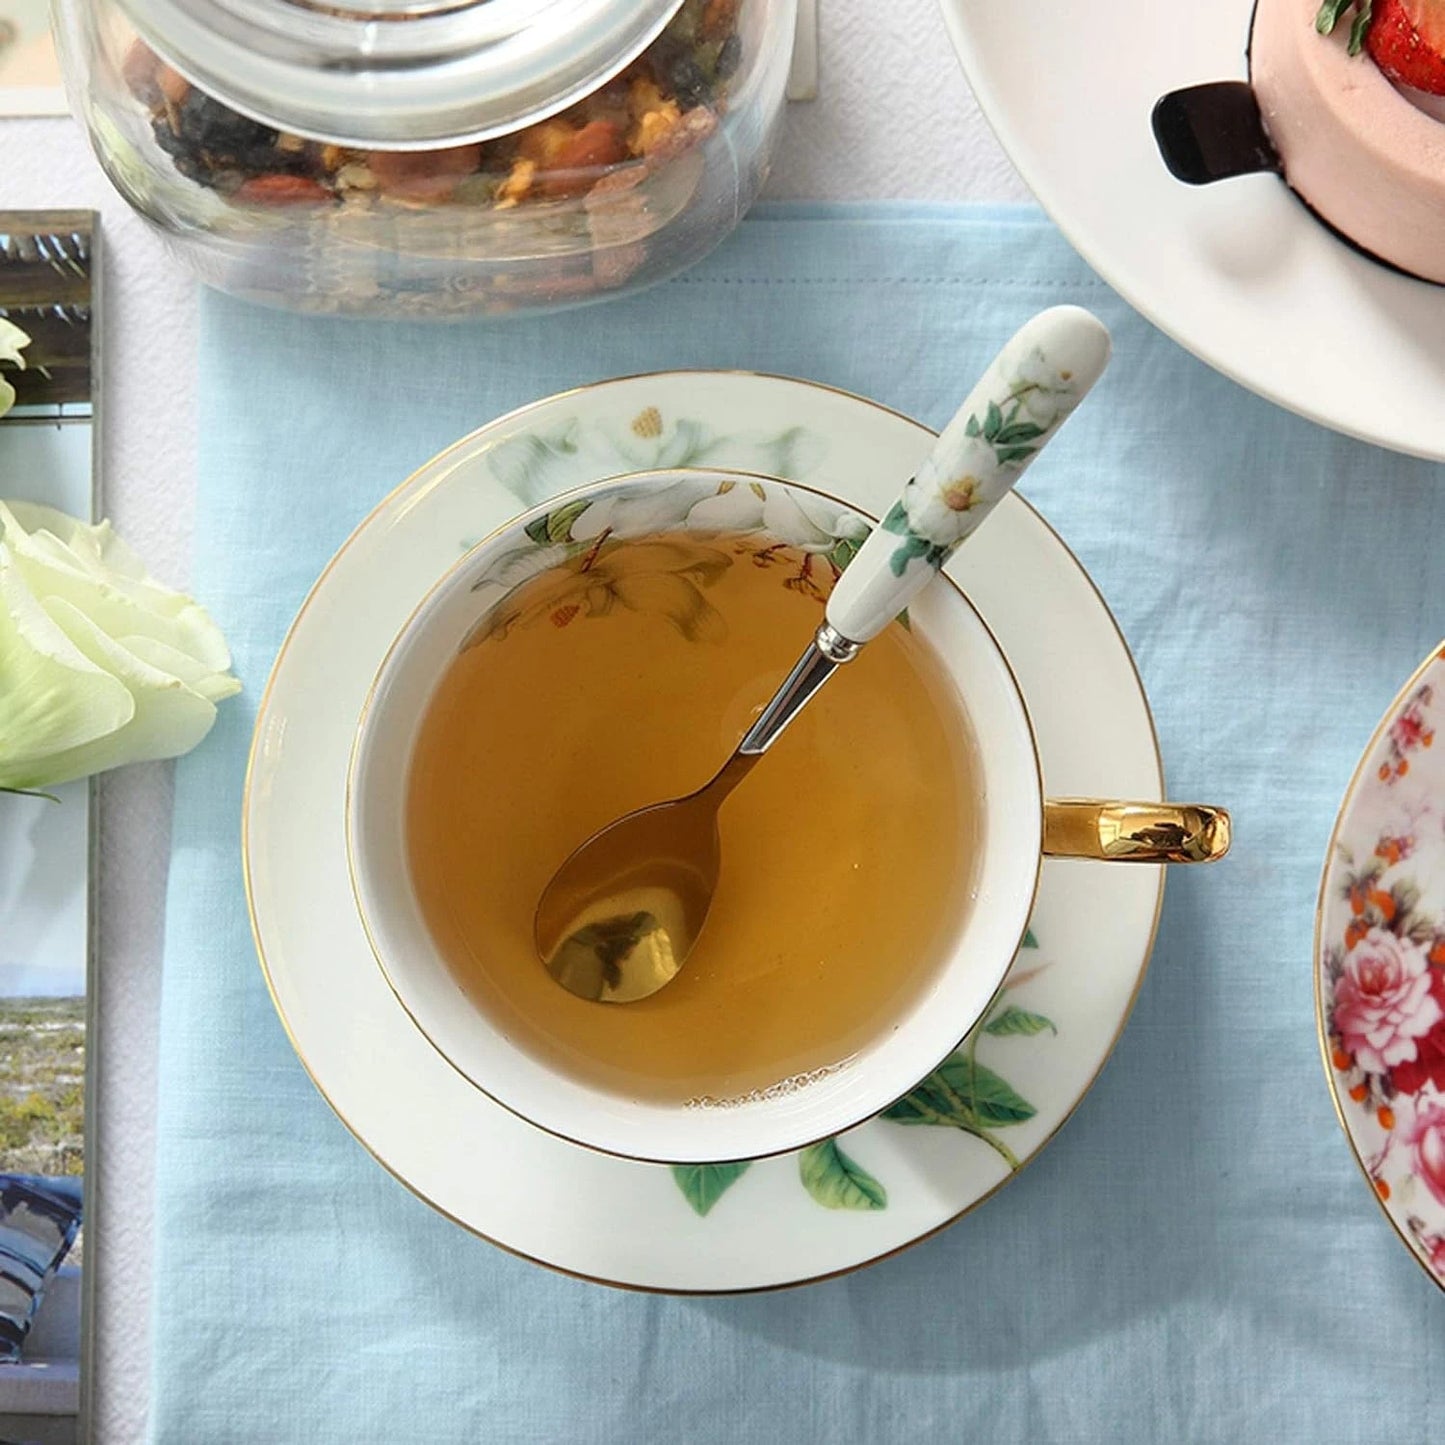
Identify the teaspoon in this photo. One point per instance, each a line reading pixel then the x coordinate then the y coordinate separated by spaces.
pixel 620 916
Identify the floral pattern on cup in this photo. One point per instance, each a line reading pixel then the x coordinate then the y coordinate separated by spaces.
pixel 1382 968
pixel 664 576
pixel 535 465
pixel 963 1093
pixel 810 538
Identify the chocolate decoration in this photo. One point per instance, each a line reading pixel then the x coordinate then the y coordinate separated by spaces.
pixel 1212 132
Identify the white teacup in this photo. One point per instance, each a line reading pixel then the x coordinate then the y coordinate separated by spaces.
pixel 1019 827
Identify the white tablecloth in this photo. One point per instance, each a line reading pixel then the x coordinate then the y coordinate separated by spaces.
pixel 894 119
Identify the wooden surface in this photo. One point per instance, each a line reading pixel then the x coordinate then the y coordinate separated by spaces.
pixel 45 289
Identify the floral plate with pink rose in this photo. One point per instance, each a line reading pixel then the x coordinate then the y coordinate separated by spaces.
pixel 1380 964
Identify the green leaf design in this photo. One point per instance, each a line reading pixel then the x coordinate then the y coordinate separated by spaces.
pixel 558 524
pixel 1029 940
pixel 971 427
pixel 897 519
pixel 995 1102
pixel 905 552
pixel 1015 1020
pixel 1019 431
pixel 1008 455
pixel 992 422
pixel 689 443
pixel 836 1181
pixel 962 1093
pixel 703 1185
pixel 844 551
pixel 518 462
pixel 795 453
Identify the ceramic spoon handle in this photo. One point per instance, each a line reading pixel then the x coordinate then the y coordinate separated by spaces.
pixel 1008 419
pixel 1039 377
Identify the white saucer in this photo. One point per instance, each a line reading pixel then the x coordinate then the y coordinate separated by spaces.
pixel 1239 272
pixel 715 1228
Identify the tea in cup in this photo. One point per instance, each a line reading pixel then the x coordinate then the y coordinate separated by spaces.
pixel 608 651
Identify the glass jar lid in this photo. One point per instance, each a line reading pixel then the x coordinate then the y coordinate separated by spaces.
pixel 399 74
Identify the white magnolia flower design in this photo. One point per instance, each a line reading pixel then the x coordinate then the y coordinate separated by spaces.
pixel 940 514
pixel 652 442
pixel 533 465
pixel 100 664
pixel 797 519
pixel 641 511
pixel 1045 393
pixel 700 505
pixel 575 542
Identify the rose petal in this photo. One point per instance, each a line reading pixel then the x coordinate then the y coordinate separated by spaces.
pixel 12 339
pixel 213 686
pixel 69 559
pixel 52 698
pixel 169 717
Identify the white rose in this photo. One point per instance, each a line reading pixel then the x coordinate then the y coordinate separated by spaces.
pixel 100 664
pixel 12 338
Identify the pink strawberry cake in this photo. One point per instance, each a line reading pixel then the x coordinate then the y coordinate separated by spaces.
pixel 1352 95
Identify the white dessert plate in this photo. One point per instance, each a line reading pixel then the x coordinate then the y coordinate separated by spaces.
pixel 709 1228
pixel 1238 272
pixel 1380 965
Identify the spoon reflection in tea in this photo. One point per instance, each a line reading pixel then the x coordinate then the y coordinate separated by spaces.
pixel 620 916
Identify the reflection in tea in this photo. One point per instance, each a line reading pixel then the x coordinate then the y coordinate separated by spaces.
pixel 626 675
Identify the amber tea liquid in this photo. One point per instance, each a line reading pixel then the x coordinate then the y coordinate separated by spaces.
pixel 627 676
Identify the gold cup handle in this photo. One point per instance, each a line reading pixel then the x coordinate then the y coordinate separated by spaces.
pixel 1135 832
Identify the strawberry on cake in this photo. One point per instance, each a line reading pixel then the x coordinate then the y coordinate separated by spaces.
pixel 1352 96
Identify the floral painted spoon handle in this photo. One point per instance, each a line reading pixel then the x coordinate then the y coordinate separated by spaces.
pixel 1023 398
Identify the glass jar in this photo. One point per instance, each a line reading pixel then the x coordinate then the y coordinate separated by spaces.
pixel 432 157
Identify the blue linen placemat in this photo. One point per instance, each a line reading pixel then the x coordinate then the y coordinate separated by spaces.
pixel 1195 1257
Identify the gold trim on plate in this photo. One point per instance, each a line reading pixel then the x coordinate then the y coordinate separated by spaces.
pixel 383 505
